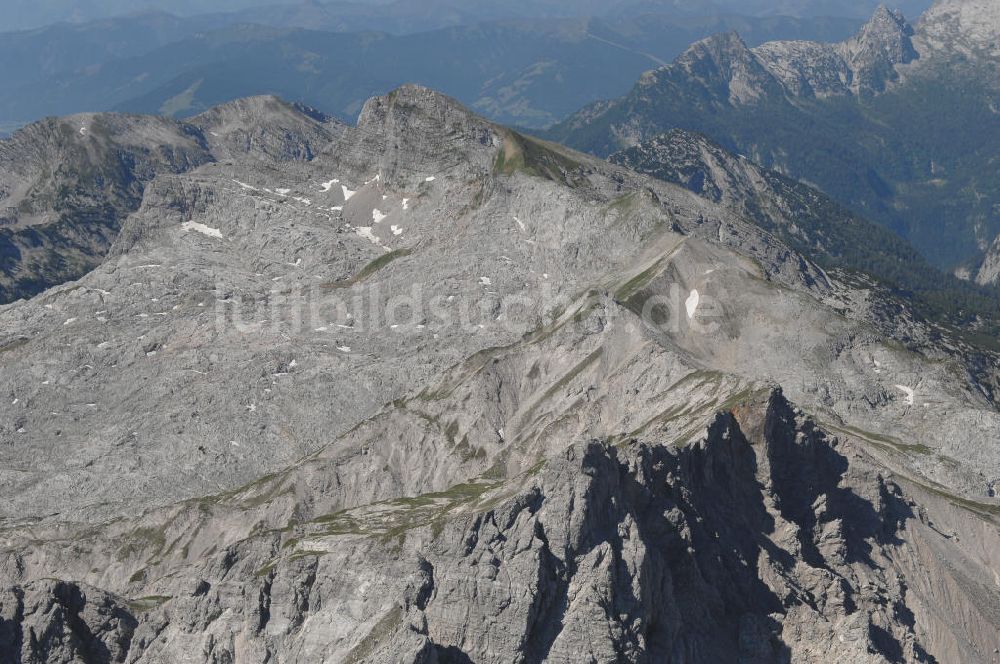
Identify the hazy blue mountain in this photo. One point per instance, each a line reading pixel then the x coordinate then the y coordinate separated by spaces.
pixel 29 14
pixel 408 16
pixel 530 73
pixel 899 122
pixel 30 56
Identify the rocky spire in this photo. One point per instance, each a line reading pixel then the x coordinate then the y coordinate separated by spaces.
pixel 873 54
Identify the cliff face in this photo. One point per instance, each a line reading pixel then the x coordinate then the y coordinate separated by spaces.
pixel 764 540
pixel 444 392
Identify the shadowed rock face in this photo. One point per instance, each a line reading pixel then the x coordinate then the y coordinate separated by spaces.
pixel 59 622
pixel 764 541
pixel 249 475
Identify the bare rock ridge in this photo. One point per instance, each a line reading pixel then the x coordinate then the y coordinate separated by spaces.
pixel 863 65
pixel 723 70
pixel 67 185
pixel 428 390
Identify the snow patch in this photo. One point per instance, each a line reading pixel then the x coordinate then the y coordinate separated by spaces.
pixel 245 185
pixel 202 228
pixel 520 224
pixel 396 230
pixel 377 216
pixel 406 203
pixel 429 178
pixel 909 392
pixel 485 281
pixel 283 192
pixel 347 193
pixel 327 186
pixel 344 349
pixel 69 321
pixel 692 303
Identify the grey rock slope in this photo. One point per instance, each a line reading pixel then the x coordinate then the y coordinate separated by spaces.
pixel 442 392
pixel 67 185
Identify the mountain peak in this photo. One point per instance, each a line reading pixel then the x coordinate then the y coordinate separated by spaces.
pixel 887 21
pixel 416 129
pixel 721 44
pixel 410 96
pixel 884 14
pixel 726 65
pixel 873 54
pixel 260 106
pixel 268 126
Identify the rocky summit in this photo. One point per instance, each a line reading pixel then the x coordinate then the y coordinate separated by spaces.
pixel 425 389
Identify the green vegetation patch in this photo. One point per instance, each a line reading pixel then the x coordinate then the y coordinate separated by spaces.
pixel 379 633
pixel 369 269
pixel 392 518
pixel 145 604
pixel 536 158
pixel 571 375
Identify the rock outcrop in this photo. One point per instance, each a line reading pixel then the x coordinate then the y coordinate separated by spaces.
pixel 56 622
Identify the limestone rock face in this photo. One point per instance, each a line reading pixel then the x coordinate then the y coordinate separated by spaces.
pixel 966 28
pixel 62 623
pixel 429 390
pixel 988 272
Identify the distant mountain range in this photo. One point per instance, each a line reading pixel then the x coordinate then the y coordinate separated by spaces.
pixel 899 122
pixel 409 16
pixel 529 73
